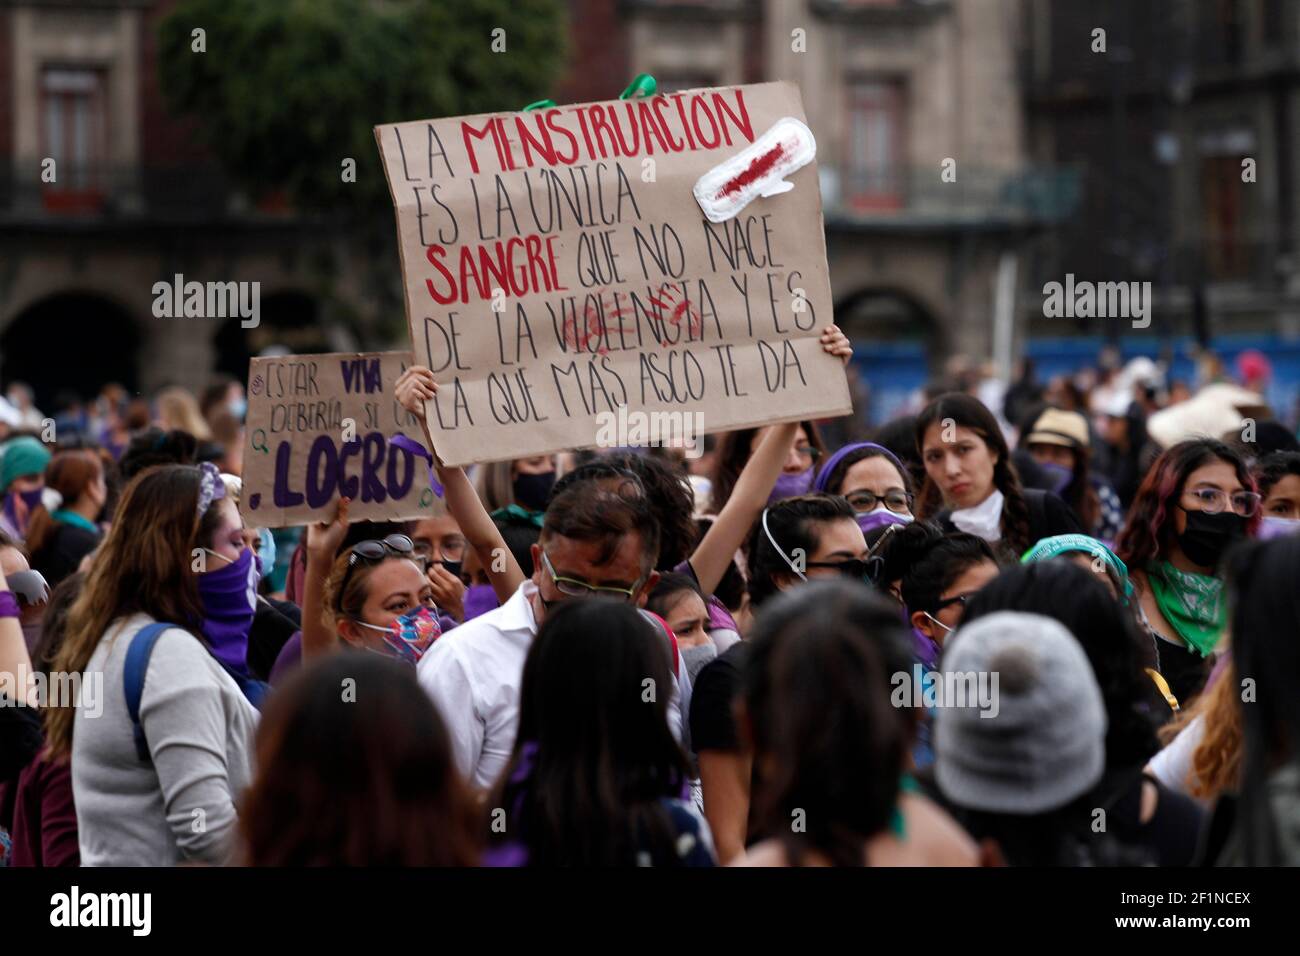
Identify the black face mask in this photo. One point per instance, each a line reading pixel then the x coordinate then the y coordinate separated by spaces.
pixel 1207 536
pixel 531 491
pixel 452 566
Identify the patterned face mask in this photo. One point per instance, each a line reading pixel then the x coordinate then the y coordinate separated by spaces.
pixel 410 635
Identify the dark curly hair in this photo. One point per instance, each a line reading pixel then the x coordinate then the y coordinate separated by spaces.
pixel 927 561
pixel 667 494
pixel 1271 469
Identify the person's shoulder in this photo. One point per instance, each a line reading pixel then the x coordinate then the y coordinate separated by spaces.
pixel 723 671
pixel 935 835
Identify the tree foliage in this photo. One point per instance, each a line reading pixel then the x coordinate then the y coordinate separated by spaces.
pixel 286 90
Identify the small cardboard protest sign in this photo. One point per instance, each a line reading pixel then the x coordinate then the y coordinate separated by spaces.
pixel 657 256
pixel 318 429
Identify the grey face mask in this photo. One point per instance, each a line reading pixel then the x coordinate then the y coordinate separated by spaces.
pixel 696 657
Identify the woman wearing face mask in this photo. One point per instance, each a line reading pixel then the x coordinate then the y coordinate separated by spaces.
pixel 171 743
pixel 1278 479
pixel 873 480
pixel 22 476
pixel 680 602
pixel 379 599
pixel 797 472
pixel 1196 501
pixel 936 573
pixel 971 484
pixel 526 482
pixel 62 529
pixel 1058 441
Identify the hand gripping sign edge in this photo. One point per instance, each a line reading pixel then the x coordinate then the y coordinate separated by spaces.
pixel 759 170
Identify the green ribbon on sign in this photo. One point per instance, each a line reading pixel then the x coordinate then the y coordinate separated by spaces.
pixel 643 85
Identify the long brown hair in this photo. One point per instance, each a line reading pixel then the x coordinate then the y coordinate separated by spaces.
pixel 969 412
pixel 69 473
pixel 354 768
pixel 144 565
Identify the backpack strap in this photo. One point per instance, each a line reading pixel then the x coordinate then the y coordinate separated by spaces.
pixel 133 671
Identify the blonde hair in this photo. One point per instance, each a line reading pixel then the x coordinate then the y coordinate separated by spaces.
pixel 1216 762
pixel 177 408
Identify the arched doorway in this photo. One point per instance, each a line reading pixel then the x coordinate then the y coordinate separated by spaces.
pixel 894 336
pixel 70 343
pixel 289 320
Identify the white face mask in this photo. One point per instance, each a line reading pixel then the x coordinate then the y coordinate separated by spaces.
pixel 984 520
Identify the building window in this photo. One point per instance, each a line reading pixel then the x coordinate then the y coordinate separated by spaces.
pixel 73 133
pixel 873 164
pixel 1223 208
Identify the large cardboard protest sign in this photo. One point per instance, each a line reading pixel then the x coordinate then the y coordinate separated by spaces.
pixel 558 265
pixel 318 429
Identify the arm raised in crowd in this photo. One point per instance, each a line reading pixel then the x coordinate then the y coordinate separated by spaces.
pixel 14 659
pixel 714 552
pixel 416 386
pixel 323 540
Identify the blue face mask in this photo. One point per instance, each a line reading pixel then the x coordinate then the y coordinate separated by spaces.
pixel 267 553
pixel 238 407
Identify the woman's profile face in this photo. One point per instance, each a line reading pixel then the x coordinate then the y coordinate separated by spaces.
pixel 228 538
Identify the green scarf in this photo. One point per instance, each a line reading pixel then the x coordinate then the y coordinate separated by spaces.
pixel 1192 603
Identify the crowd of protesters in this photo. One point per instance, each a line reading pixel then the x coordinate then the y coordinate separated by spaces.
pixel 960 638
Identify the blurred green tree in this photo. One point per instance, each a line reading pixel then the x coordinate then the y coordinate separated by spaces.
pixel 286 90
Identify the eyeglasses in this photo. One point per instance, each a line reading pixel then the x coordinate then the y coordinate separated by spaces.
pixel 571 587
pixel 855 568
pixel 396 545
pixel 451 549
pixel 1213 501
pixel 959 599
pixel 896 501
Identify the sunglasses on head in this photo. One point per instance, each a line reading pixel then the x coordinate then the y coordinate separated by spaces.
pixel 374 549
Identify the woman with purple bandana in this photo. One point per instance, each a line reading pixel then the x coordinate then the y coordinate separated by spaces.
pixel 873 480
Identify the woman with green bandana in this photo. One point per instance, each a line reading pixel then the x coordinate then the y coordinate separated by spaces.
pixel 1196 501
pixel 1092 555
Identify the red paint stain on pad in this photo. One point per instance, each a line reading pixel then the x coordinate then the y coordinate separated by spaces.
pixel 758 168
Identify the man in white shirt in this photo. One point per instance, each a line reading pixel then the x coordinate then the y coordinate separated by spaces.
pixel 594 542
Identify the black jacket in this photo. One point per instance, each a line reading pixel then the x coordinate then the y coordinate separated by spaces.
pixel 1048 516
